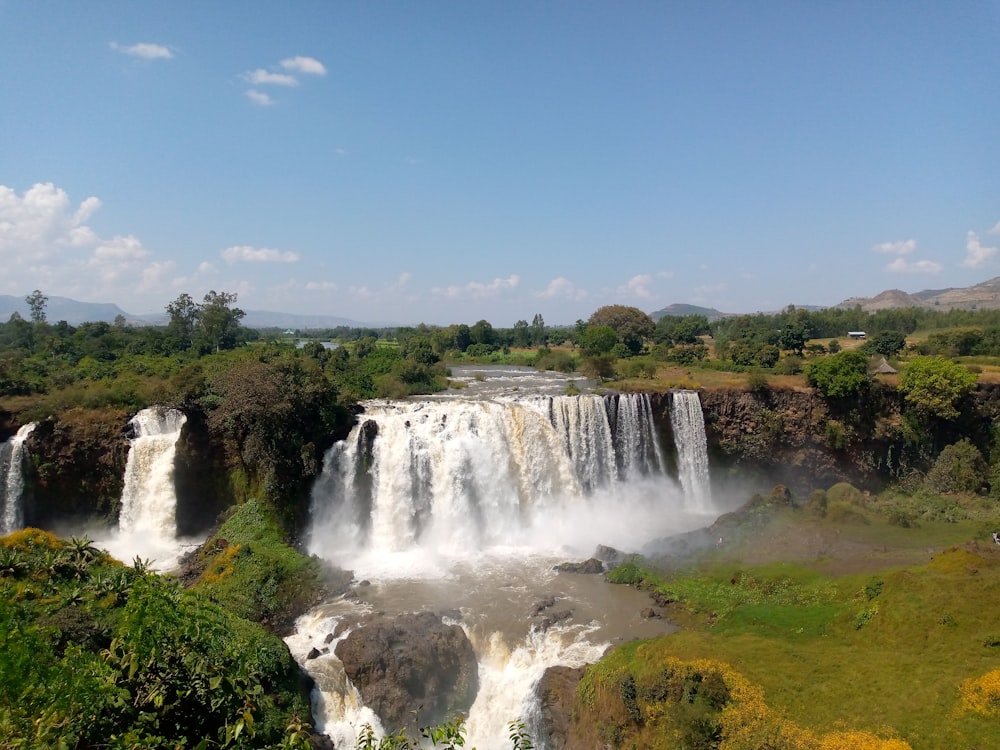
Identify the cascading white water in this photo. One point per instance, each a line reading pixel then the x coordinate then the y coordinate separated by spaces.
pixel 688 424
pixel 147 517
pixel 464 502
pixel 149 500
pixel 12 456
pixel 457 475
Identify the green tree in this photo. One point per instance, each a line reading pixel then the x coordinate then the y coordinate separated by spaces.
pixel 886 343
pixel 219 320
pixel 538 336
pixel 521 335
pixel 630 324
pixel 37 302
pixel 598 340
pixel 959 468
pixel 840 375
pixel 183 313
pixel 934 386
pixel 482 333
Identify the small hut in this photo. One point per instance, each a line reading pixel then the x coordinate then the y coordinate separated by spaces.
pixel 885 368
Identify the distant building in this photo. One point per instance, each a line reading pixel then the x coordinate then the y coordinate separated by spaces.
pixel 856 334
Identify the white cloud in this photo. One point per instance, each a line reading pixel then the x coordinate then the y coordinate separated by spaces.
pixel 144 50
pixel 561 287
pixel 901 265
pixel 309 65
pixel 154 275
pixel 899 247
pixel 205 267
pixel 637 286
pixel 266 77
pixel 976 254
pixel 259 98
pixel 995 229
pixel 321 286
pixel 118 250
pixel 476 289
pixel 248 254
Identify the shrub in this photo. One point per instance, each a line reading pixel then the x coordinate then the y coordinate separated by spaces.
pixel 934 386
pixel 839 375
pixel 959 468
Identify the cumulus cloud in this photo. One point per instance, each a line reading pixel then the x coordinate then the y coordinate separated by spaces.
pixel 266 77
pixel 476 289
pixel 637 286
pixel 977 254
pixel 259 98
pixel 902 265
pixel 995 229
pixel 144 50
pixel 302 64
pixel 321 286
pixel 899 247
pixel 562 288
pixel 46 244
pixel 249 254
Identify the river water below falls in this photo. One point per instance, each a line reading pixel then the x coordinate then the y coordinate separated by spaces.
pixel 462 504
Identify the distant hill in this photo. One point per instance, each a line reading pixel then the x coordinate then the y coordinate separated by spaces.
pixel 75 313
pixel 984 296
pixel 680 309
pixel 265 319
pixel 70 310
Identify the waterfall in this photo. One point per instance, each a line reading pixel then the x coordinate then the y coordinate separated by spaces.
pixel 463 503
pixel 149 501
pixel 688 425
pixel 459 474
pixel 12 455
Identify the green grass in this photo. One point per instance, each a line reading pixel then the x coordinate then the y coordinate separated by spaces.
pixel 885 648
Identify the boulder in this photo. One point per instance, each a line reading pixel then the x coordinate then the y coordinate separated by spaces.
pixel 412 669
pixel 556 690
pixel 593 565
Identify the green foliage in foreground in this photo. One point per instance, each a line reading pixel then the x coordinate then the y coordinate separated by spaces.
pixel 888 653
pixel 447 736
pixel 252 572
pixel 96 654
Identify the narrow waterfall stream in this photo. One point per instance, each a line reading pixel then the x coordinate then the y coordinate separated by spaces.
pixel 688 423
pixel 147 526
pixel 12 457
pixel 462 504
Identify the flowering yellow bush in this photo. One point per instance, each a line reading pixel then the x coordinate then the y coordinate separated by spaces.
pixel 29 538
pixel 221 565
pixel 981 695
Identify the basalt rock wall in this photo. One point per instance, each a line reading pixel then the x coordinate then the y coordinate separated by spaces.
pixel 804 441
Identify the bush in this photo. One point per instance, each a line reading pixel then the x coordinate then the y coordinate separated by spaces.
pixel 959 468
pixel 934 386
pixel 840 375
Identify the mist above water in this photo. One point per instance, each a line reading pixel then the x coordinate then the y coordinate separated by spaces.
pixel 462 503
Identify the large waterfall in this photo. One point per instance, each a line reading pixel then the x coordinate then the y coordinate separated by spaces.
pixel 455 475
pixel 147 525
pixel 688 425
pixel 12 457
pixel 463 503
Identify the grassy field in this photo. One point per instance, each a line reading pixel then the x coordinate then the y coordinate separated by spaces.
pixel 863 626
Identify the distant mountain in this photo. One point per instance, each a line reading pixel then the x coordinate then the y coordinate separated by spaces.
pixel 984 296
pixel 70 310
pixel 265 319
pixel 680 309
pixel 75 313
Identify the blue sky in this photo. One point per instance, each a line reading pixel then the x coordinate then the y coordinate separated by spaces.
pixel 448 162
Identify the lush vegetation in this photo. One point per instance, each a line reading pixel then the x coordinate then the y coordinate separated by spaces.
pixel 248 568
pixel 97 654
pixel 812 652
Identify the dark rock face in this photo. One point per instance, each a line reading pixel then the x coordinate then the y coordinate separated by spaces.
pixel 412 670
pixel 78 466
pixel 555 692
pixel 593 565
